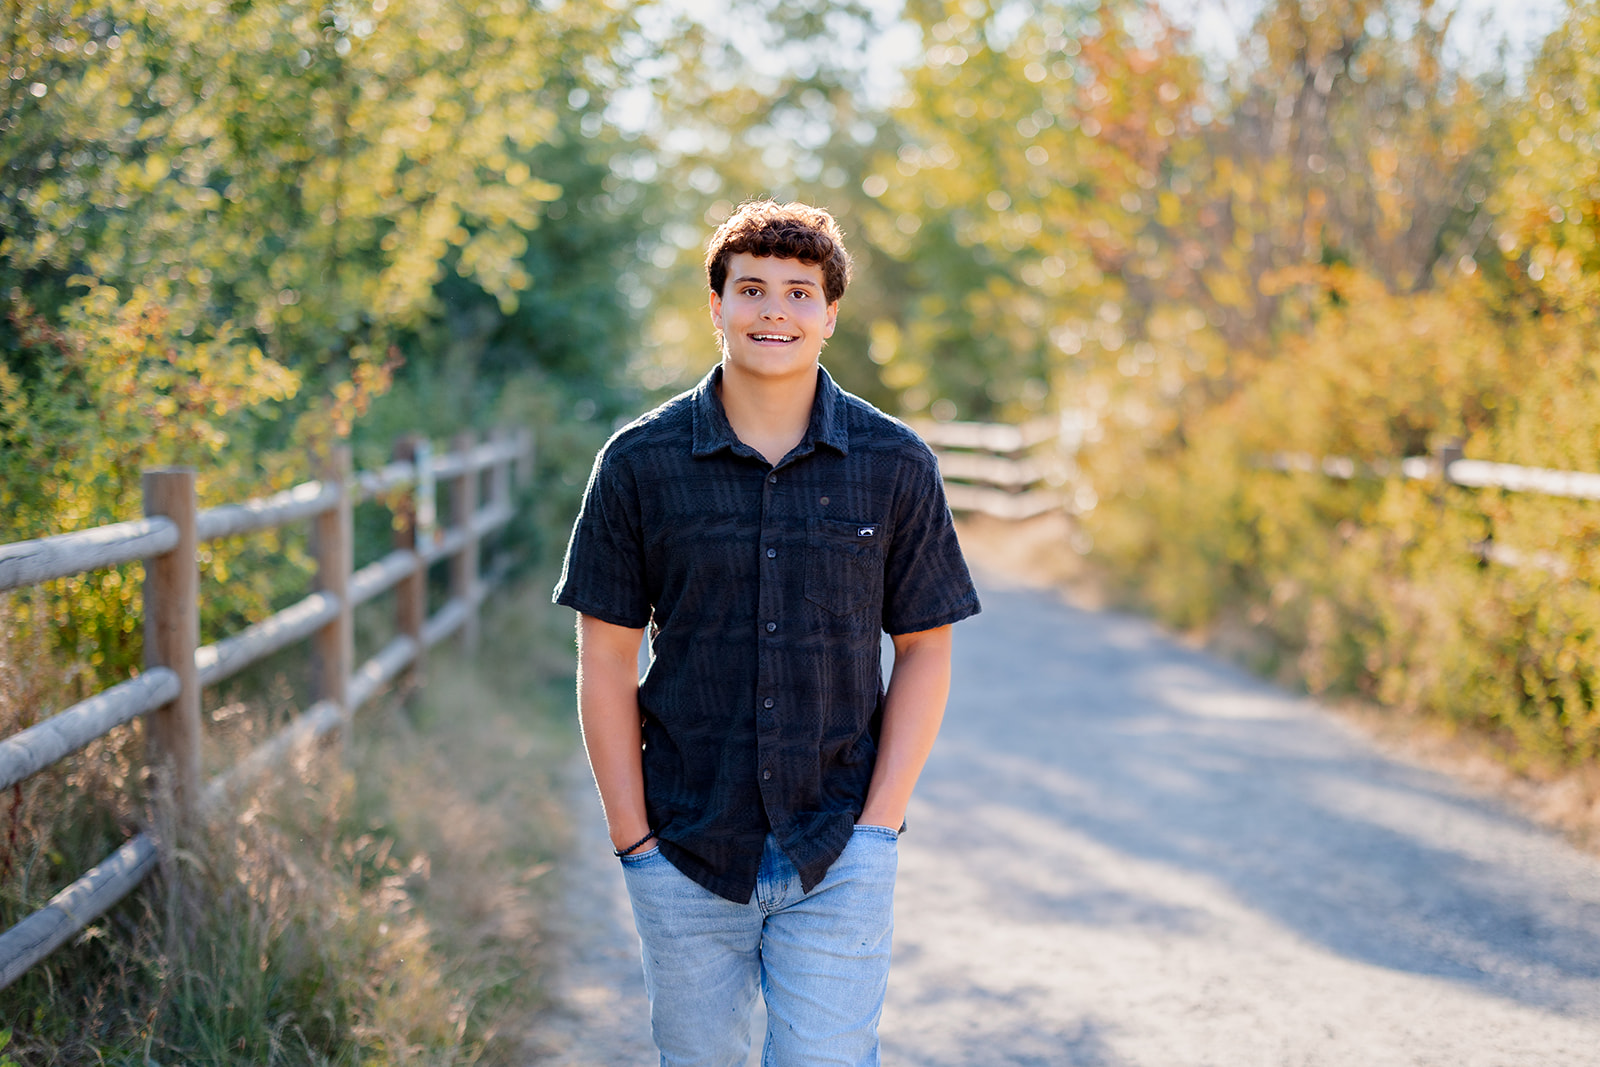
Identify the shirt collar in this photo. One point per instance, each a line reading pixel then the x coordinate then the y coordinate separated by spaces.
pixel 712 432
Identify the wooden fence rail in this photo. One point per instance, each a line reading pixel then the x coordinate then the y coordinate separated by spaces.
pixel 1448 467
pixel 1001 470
pixel 988 468
pixel 177 667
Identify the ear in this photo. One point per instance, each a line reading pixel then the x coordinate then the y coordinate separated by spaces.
pixel 833 319
pixel 716 311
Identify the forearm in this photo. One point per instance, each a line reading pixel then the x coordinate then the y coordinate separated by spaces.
pixel 608 714
pixel 913 708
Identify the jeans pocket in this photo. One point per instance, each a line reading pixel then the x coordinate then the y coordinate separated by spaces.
pixel 635 859
pixel 887 832
pixel 844 564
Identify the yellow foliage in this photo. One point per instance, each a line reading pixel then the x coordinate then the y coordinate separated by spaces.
pixel 1476 605
pixel 218 217
pixel 1550 203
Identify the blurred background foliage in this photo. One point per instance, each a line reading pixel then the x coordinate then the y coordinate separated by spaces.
pixel 1355 238
pixel 228 230
pixel 233 232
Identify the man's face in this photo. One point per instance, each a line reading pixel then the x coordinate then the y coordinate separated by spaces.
pixel 773 316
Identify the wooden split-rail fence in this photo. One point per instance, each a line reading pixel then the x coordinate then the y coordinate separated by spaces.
pixel 1448 467
pixel 479 477
pixel 1021 471
pixel 1009 472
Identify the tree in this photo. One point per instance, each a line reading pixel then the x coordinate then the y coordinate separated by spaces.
pixel 1023 197
pixel 226 226
pixel 1550 199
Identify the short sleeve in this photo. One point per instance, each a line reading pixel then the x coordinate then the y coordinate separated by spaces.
pixel 603 573
pixel 926 581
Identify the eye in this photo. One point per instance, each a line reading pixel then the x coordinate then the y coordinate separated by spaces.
pixel 750 290
pixel 799 294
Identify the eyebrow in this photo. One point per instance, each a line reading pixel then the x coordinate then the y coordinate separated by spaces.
pixel 807 282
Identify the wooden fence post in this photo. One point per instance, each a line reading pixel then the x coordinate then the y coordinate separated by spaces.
pixel 1444 454
pixel 524 467
pixel 411 594
pixel 464 564
pixel 500 473
pixel 499 483
pixel 334 646
pixel 172 633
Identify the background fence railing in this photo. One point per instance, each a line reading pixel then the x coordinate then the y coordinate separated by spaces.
pixel 479 478
pixel 1448 467
pixel 1010 472
pixel 1018 472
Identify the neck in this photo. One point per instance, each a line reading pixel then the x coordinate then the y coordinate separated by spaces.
pixel 768 414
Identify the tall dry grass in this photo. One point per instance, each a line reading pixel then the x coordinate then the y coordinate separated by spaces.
pixel 377 906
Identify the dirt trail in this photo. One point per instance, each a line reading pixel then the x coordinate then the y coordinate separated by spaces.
pixel 1125 852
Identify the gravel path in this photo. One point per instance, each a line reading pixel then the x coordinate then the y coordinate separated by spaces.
pixel 1126 853
pixel 600 1017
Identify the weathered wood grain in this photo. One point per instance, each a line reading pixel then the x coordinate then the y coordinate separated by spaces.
pixel 30 751
pixel 296 622
pixel 333 645
pixel 304 501
pixel 70 910
pixel 25 563
pixel 172 631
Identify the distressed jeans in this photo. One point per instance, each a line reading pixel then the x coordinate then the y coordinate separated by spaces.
pixel 821 959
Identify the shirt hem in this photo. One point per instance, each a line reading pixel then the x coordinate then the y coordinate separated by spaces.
pixel 603 614
pixel 720 885
pixel 966 611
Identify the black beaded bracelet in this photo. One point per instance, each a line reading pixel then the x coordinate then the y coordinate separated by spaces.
pixel 621 852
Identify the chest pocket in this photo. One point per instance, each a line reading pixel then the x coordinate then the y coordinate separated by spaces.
pixel 844 564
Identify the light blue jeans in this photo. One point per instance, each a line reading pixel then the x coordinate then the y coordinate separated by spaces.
pixel 821 958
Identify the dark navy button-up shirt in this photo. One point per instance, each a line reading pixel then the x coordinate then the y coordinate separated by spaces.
pixel 765 589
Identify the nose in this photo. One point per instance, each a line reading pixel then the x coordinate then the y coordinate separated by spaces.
pixel 772 307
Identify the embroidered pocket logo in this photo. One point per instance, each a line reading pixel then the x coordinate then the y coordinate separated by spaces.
pixel 866 531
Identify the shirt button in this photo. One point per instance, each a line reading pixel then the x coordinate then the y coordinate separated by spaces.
pixel 772 479
pixel 767 703
pixel 771 626
pixel 766 776
pixel 772 553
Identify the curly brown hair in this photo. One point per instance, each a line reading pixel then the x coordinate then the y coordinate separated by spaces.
pixel 786 231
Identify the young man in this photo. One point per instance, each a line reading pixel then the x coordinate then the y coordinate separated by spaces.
pixel 766 526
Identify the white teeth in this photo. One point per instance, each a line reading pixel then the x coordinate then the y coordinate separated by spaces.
pixel 771 337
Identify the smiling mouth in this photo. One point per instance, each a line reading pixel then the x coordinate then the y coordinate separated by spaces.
pixel 770 337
